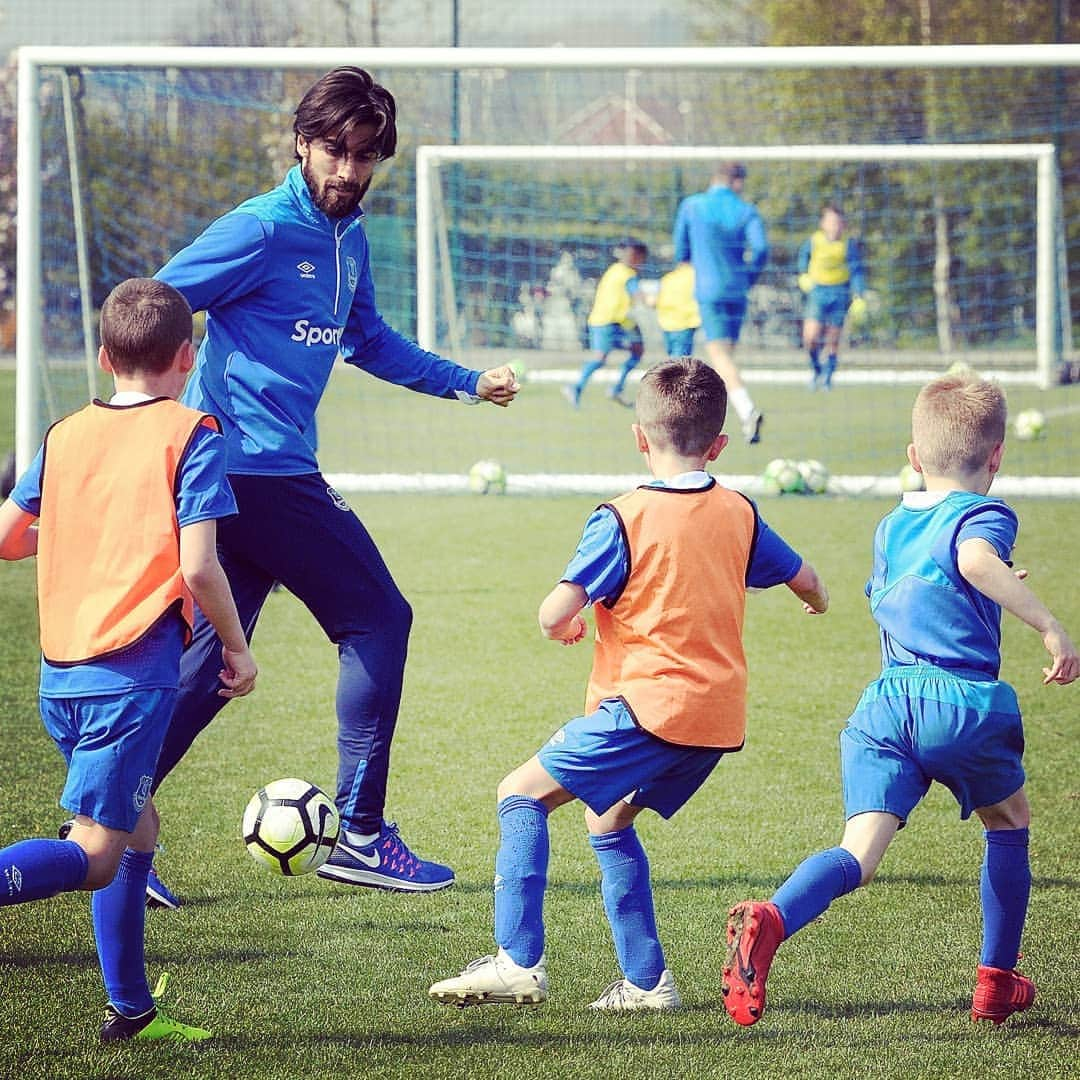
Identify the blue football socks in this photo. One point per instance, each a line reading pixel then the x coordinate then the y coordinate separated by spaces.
pixel 1004 888
pixel 815 883
pixel 830 368
pixel 628 901
pixel 624 372
pixel 588 369
pixel 119 912
pixel 521 878
pixel 815 362
pixel 39 868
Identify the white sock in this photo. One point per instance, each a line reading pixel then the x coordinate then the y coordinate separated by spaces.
pixel 360 839
pixel 742 403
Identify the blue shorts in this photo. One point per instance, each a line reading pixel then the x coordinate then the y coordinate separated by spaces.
pixel 828 304
pixel 605 757
pixel 914 725
pixel 722 319
pixel 603 339
pixel 679 342
pixel 111 744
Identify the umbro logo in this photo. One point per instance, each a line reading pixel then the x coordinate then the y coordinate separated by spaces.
pixel 142 793
pixel 338 499
pixel 307 270
pixel 14 878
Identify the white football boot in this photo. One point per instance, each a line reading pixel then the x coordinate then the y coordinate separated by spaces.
pixel 494 980
pixel 623 996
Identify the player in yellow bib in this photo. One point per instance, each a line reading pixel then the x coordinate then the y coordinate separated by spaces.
pixel 677 311
pixel 831 276
pixel 612 324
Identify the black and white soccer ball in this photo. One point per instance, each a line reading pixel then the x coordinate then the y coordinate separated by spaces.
pixel 291 826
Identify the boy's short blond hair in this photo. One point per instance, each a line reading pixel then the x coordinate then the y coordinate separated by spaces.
pixel 956 423
pixel 681 405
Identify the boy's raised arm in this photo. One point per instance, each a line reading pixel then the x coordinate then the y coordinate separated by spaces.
pixel 982 567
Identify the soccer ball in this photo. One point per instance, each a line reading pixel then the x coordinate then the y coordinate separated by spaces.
pixel 1030 424
pixel 291 826
pixel 782 476
pixel 959 367
pixel 487 478
pixel 815 476
pixel 911 479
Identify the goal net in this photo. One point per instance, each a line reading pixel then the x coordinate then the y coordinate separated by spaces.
pixel 517 173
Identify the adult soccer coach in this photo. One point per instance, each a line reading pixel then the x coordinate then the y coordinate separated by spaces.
pixel 285 280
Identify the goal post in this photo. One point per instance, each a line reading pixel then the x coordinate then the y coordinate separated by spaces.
pixel 124 154
pixel 430 159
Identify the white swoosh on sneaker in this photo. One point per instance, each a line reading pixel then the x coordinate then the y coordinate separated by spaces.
pixel 371 860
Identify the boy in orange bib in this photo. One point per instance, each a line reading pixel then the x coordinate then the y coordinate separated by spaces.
pixel 126 497
pixel 667 567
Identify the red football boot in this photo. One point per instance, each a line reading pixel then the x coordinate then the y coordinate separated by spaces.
pixel 1000 993
pixel 754 932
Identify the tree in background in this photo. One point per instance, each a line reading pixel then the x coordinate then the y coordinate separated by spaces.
pixel 938 105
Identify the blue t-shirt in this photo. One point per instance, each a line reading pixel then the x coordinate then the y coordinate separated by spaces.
pixel 202 492
pixel 926 611
pixel 601 563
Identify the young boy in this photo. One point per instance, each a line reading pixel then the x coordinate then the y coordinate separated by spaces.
pixel 667 566
pixel 937 712
pixel 830 270
pixel 126 496
pixel 612 324
pixel 677 311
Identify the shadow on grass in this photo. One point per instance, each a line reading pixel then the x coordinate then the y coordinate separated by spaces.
pixel 966 879
pixel 759 886
pixel 155 959
pixel 1017 1024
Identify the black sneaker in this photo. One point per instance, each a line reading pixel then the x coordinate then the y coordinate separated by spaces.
pixel 751 428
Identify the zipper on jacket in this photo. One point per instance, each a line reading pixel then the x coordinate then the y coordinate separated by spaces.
pixel 337 266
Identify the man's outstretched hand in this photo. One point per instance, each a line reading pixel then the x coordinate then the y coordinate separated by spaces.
pixel 499 385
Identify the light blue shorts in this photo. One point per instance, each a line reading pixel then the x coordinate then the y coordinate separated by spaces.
pixel 605 757
pixel 111 744
pixel 603 339
pixel 828 304
pixel 679 342
pixel 914 725
pixel 722 319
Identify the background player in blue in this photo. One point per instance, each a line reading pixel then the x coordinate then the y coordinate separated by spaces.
pixel 830 271
pixel 723 237
pixel 938 711
pixel 285 279
pixel 666 567
pixel 115 606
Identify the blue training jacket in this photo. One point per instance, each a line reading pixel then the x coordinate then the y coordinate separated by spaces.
pixel 286 290
pixel 714 230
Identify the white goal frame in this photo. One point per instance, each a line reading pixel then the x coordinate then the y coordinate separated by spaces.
pixel 429 159
pixel 34 60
